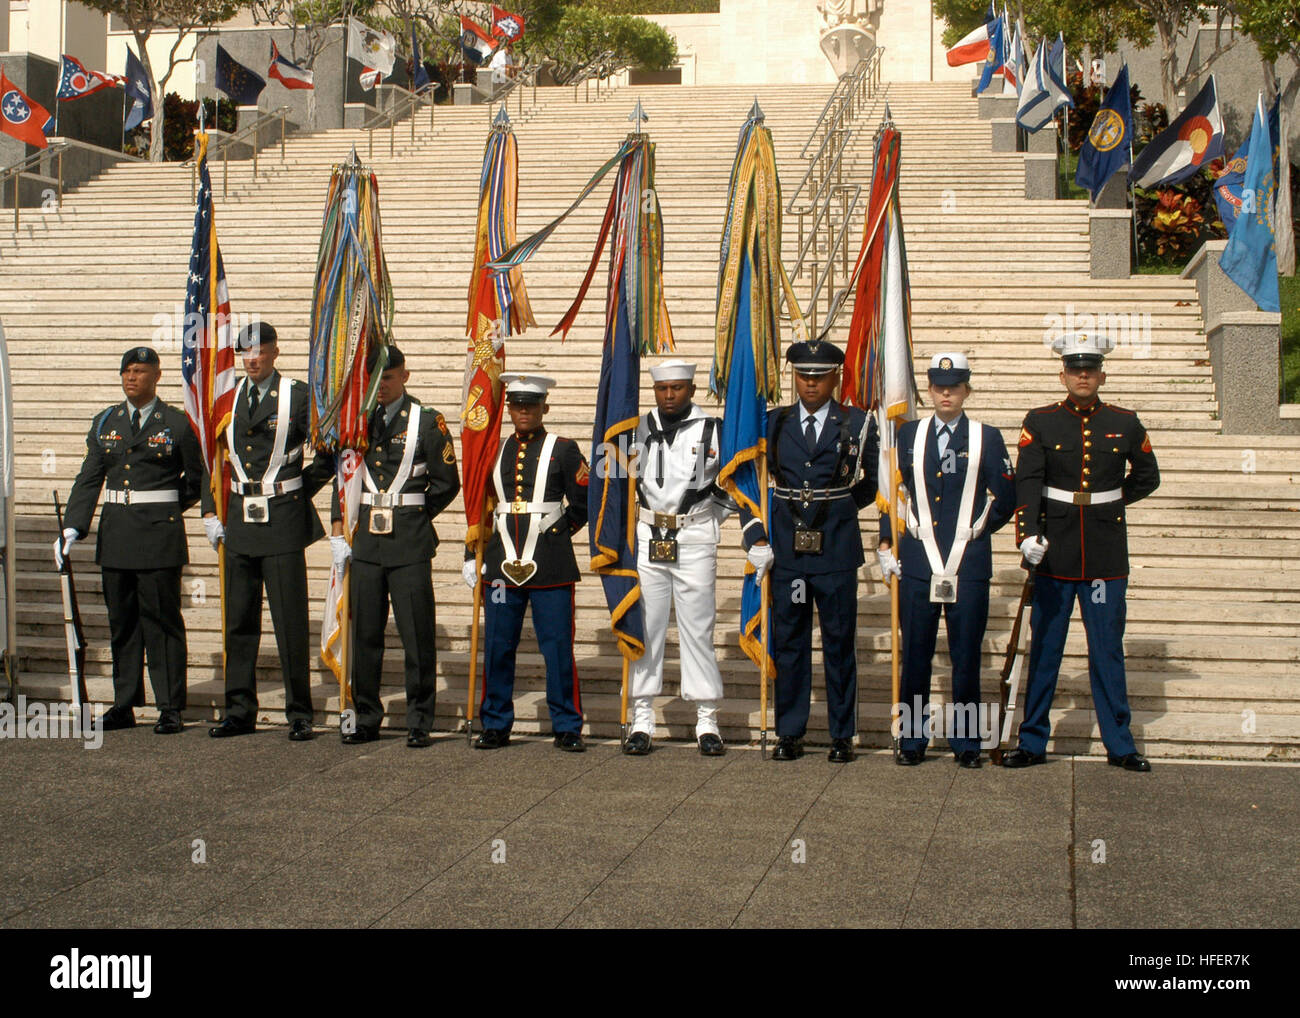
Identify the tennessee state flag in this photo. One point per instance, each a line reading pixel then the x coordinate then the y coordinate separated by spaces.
pixel 21 117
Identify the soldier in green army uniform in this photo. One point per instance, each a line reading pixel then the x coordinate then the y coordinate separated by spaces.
pixel 148 457
pixel 269 524
pixel 410 476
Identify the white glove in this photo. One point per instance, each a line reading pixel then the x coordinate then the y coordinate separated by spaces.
pixel 1033 548
pixel 340 551
pixel 760 557
pixel 63 545
pixel 888 564
pixel 216 532
pixel 469 573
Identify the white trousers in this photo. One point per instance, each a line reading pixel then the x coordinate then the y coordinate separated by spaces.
pixel 688 585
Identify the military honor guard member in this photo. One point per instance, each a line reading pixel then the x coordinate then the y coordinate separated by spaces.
pixel 270 523
pixel 677 554
pixel 960 490
pixel 1071 492
pixel 409 476
pixel 540 482
pixel 148 456
pixel 822 462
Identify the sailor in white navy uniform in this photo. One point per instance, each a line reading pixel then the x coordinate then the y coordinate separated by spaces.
pixel 960 490
pixel 680 508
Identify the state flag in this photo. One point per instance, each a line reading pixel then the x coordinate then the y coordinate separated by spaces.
pixel 1110 138
pixel 21 117
pixel 75 81
pixel 1181 149
pixel 139 91
pixel 287 73
pixel 475 44
pixel 506 25
pixel 237 81
pixel 974 45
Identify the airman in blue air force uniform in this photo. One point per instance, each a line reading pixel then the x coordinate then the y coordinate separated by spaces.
pixel 1071 492
pixel 959 486
pixel 146 457
pixel 822 462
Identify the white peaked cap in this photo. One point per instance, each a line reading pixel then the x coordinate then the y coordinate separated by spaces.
pixel 535 385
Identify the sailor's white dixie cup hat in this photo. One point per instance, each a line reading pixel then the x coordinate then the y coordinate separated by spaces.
pixel 672 371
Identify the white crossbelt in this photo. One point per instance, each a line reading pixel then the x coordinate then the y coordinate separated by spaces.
pixel 925 527
pixel 544 514
pixel 1082 497
pixel 116 496
pixel 405 471
pixel 670 521
pixel 279 457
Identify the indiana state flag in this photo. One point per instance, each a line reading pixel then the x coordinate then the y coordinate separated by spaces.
pixel 610 506
pixel 237 81
pixel 743 444
pixel 1250 259
pixel 1110 139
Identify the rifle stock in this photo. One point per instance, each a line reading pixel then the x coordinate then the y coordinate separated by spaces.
pixel 1009 680
pixel 72 629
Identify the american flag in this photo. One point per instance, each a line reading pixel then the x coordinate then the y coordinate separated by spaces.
pixel 208 356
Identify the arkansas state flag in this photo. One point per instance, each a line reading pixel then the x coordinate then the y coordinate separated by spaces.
pixel 20 117
pixel 506 25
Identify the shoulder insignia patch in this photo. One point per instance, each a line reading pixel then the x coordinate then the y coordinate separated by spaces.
pixel 583 474
pixel 442 425
pixel 1025 437
pixel 1146 443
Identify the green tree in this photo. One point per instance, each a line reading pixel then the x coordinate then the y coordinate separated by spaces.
pixel 309 23
pixel 184 17
pixel 583 34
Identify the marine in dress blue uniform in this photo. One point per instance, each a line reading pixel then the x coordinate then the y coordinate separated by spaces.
pixel 822 463
pixel 146 457
pixel 1081 463
pixel 951 472
pixel 540 481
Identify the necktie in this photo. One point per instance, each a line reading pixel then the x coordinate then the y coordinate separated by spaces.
pixel 135 422
pixel 945 433
pixel 377 423
pixel 810 432
pixel 252 400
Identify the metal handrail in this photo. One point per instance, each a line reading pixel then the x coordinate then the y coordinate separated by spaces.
pixel 225 143
pixel 19 169
pixel 602 67
pixel 389 117
pixel 522 77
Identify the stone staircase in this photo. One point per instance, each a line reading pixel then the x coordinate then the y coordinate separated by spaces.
pixel 1213 629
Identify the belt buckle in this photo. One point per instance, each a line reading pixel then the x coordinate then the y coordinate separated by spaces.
pixel 666 521
pixel 126 496
pixel 1083 498
pixel 518 507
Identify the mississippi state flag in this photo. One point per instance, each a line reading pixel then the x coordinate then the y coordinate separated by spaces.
pixel 974 46
pixel 20 117
pixel 475 44
pixel 1182 148
pixel 506 25
pixel 75 81
pixel 287 73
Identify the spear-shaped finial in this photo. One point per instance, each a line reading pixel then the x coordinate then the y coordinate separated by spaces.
pixel 354 159
pixel 637 115
pixel 502 119
pixel 756 112
pixel 202 112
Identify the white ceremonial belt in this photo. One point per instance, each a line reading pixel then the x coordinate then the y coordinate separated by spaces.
pixel 266 487
pixel 116 496
pixel 550 512
pixel 1082 497
pixel 389 500
pixel 671 521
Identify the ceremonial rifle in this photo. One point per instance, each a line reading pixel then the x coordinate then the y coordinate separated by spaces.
pixel 1009 681
pixel 75 635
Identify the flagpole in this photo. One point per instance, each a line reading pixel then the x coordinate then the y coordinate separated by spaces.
pixel 765 597
pixel 473 633
pixel 894 687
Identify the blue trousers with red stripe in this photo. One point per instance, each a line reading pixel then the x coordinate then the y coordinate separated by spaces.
pixel 553 622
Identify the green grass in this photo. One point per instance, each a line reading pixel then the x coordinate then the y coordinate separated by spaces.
pixel 1067 186
pixel 1289 287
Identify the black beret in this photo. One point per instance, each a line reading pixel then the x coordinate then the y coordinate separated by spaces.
pixel 255 333
pixel 139 355
pixel 396 359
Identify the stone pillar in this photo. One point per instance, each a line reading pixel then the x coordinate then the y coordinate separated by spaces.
pixel 1114 193
pixel 1043 140
pixel 1005 134
pixel 1040 176
pixel 997 106
pixel 466 94
pixel 1110 234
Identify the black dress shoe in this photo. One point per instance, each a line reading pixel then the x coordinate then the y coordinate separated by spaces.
pixel 909 757
pixel 711 745
pixel 788 748
pixel 117 718
pixel 969 759
pixel 418 738
pixel 570 742
pixel 1022 758
pixel 300 730
pixel 231 727
pixel 361 735
pixel 638 744
pixel 492 738
pixel 169 723
pixel 1131 762
pixel 841 751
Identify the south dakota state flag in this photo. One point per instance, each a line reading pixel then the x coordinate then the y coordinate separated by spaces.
pixel 1250 259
